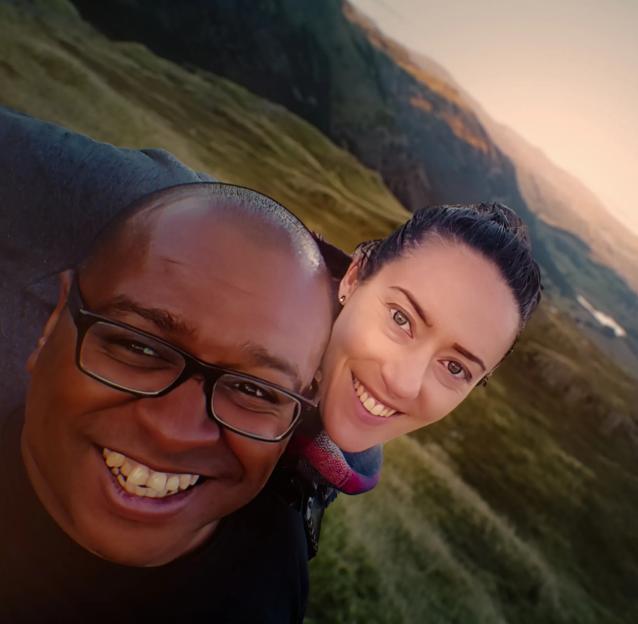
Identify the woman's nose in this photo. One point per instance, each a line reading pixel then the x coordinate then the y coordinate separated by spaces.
pixel 404 375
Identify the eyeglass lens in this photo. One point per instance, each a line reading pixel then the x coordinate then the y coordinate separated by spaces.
pixel 137 363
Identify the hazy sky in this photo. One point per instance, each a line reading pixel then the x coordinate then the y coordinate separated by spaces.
pixel 563 74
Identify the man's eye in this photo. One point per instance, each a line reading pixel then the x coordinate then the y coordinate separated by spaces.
pixel 401 319
pixel 134 348
pixel 131 351
pixel 255 391
pixel 141 349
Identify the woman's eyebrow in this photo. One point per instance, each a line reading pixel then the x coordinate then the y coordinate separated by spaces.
pixel 469 355
pixel 413 302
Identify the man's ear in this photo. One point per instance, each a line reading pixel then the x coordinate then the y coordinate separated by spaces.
pixel 349 282
pixel 65 279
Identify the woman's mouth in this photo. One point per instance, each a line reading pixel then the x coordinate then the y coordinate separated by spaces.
pixel 140 480
pixel 369 403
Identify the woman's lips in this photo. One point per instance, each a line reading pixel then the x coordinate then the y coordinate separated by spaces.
pixel 369 408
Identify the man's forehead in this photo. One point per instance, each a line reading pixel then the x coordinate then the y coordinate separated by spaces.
pixel 235 315
pixel 213 243
pixel 186 217
pixel 208 278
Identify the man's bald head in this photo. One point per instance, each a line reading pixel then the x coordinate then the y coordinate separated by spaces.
pixel 260 218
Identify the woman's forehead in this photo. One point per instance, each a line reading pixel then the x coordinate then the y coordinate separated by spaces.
pixel 459 291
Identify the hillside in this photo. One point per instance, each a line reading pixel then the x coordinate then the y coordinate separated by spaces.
pixel 213 125
pixel 518 508
pixel 328 64
pixel 563 201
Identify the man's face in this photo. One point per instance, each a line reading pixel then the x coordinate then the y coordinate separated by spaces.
pixel 208 288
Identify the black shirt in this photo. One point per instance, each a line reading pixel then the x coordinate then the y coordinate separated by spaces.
pixel 253 569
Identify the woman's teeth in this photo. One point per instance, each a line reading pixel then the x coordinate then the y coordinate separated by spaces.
pixel 141 480
pixel 372 405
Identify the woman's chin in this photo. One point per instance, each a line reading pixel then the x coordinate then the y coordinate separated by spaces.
pixel 350 439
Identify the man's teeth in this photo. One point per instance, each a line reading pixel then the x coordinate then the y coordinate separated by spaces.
pixel 371 404
pixel 141 480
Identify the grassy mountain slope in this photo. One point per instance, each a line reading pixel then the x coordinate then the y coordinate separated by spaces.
pixel 328 64
pixel 139 100
pixel 518 508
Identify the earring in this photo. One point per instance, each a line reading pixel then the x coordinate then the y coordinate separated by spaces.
pixel 342 299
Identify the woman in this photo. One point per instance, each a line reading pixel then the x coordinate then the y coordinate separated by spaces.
pixel 428 314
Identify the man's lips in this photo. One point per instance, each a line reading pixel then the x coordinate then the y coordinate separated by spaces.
pixel 141 480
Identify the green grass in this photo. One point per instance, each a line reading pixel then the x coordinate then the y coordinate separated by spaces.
pixel 59 69
pixel 518 508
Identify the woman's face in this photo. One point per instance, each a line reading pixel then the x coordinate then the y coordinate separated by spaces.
pixel 412 341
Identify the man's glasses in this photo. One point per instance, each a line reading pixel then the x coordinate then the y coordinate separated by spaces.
pixel 128 359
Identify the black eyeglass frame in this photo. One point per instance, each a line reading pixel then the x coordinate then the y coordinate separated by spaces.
pixel 211 373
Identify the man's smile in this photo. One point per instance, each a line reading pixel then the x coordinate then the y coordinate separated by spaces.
pixel 134 491
pixel 140 480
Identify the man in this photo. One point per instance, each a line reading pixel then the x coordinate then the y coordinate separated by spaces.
pixel 179 357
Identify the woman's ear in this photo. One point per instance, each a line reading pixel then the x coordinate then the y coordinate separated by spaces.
pixel 349 282
pixel 65 279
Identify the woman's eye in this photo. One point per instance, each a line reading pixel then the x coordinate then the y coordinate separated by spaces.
pixel 457 370
pixel 402 320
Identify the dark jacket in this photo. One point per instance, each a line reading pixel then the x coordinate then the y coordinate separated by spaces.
pixel 57 191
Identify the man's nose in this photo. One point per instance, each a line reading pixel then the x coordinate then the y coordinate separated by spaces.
pixel 179 420
pixel 404 374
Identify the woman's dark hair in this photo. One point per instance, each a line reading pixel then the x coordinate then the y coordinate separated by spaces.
pixel 494 230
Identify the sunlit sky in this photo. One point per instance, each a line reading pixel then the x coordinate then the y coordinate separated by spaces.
pixel 563 74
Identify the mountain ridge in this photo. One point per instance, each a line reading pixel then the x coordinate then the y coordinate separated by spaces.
pixel 423 138
pixel 561 198
pixel 512 144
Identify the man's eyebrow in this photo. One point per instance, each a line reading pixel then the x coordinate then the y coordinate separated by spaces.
pixel 163 319
pixel 410 297
pixel 469 355
pixel 263 357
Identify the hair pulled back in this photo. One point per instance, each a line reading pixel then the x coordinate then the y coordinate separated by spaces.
pixel 493 230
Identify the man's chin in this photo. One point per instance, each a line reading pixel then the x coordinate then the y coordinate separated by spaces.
pixel 141 546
